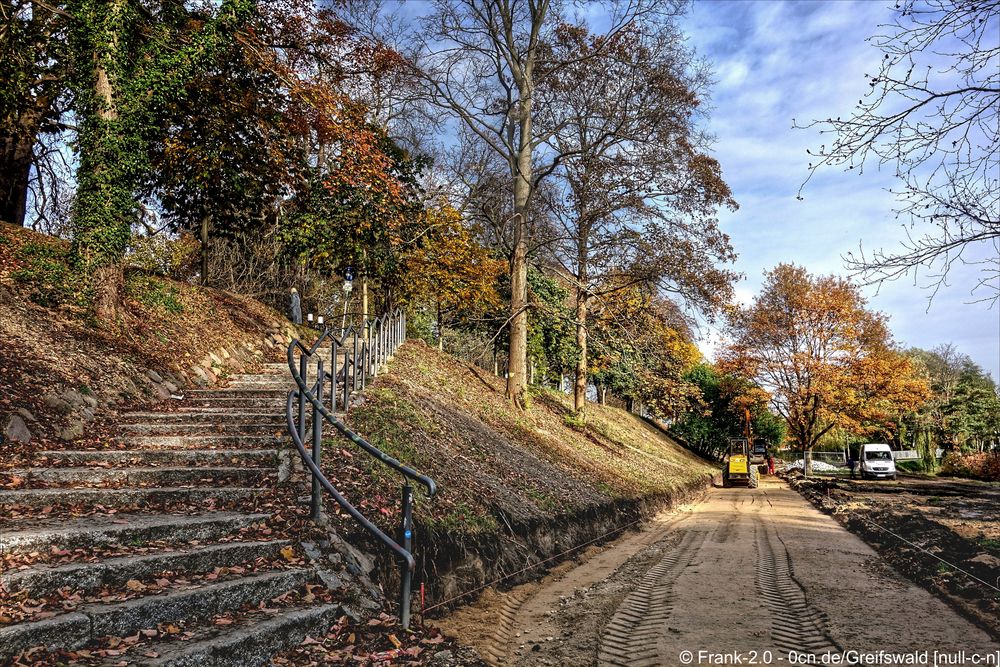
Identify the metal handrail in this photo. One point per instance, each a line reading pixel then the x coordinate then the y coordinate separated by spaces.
pixel 378 340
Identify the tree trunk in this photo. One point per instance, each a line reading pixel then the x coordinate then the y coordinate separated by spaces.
pixel 580 386
pixel 105 235
pixel 15 169
pixel 517 362
pixel 109 279
pixel 517 353
pixel 364 306
pixel 440 329
pixel 205 222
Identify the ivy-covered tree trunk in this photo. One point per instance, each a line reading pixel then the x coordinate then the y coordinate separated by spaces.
pixel 105 204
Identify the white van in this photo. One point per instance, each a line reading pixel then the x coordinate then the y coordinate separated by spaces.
pixel 875 460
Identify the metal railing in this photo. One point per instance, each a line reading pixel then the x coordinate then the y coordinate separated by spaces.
pixel 360 355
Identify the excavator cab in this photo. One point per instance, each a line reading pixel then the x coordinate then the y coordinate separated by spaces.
pixel 739 469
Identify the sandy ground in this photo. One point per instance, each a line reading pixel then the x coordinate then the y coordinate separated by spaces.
pixel 755 574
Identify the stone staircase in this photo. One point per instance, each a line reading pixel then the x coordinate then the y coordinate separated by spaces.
pixel 187 542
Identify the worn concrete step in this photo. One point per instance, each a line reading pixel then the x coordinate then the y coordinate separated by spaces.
pixel 163 476
pixel 241 408
pixel 272 427
pixel 89 532
pixel 275 375
pixel 198 394
pixel 170 457
pixel 76 629
pixel 250 644
pixel 151 497
pixel 89 577
pixel 221 442
pixel 204 417
pixel 246 404
pixel 202 602
pixel 284 386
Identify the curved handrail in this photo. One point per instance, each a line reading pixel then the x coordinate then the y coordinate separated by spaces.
pixel 351 435
pixel 378 338
pixel 402 553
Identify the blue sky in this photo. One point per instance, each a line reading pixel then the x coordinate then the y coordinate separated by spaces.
pixel 775 61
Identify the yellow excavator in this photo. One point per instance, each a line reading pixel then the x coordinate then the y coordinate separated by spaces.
pixel 739 469
pixel 742 463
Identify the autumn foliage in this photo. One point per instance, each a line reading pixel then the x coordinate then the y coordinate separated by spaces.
pixel 826 360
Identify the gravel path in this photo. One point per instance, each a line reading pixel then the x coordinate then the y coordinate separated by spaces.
pixel 753 573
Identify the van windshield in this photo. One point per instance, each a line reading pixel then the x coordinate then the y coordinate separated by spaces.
pixel 878 456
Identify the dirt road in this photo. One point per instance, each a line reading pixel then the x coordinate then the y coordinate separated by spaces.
pixel 759 575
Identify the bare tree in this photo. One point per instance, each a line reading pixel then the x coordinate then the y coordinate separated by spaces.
pixel 480 62
pixel 33 101
pixel 635 196
pixel 932 112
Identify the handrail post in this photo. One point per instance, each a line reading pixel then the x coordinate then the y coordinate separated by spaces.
pixel 364 362
pixel 333 363
pixel 317 443
pixel 304 374
pixel 354 368
pixel 406 541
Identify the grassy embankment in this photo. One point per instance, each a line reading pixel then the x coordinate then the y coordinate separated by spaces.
pixel 514 485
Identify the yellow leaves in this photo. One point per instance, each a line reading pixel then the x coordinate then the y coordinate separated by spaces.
pixel 448 266
pixel 288 553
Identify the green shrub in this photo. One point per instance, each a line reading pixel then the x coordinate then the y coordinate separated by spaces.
pixel 153 293
pixel 47 273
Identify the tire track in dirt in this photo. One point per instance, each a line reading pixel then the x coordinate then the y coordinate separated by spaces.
pixel 496 652
pixel 522 605
pixel 795 624
pixel 631 637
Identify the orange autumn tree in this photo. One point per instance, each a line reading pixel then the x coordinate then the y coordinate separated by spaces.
pixel 447 268
pixel 824 358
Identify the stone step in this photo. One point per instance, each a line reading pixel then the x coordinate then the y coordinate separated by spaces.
pixel 250 644
pixel 284 386
pixel 170 457
pixel 91 621
pixel 220 442
pixel 240 407
pixel 199 394
pixel 274 427
pixel 89 577
pixel 138 476
pixel 151 497
pixel 274 376
pixel 202 417
pixel 89 532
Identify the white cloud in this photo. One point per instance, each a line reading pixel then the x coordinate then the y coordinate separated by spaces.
pixel 776 61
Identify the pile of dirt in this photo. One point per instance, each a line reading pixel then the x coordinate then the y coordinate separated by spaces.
pixel 516 487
